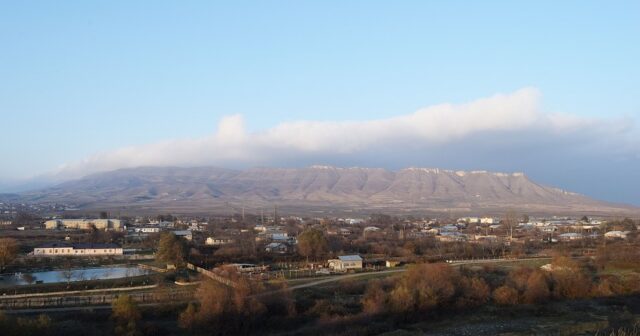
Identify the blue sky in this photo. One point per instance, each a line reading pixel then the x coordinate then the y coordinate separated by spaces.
pixel 79 79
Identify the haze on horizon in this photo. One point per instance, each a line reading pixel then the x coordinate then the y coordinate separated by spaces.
pixel 542 87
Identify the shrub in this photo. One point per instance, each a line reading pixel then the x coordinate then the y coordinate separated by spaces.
pixel 537 288
pixel 505 295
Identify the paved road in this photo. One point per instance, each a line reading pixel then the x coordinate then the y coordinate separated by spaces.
pixel 342 277
pixel 488 261
pixel 399 270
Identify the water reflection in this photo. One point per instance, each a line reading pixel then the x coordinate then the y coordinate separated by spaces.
pixel 72 275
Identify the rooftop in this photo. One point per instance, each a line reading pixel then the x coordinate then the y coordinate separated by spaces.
pixel 79 245
pixel 354 257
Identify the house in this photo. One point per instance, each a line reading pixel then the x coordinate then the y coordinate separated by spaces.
pixel 186 234
pixel 84 224
pixel 345 232
pixel 276 247
pixel 345 263
pixel 489 220
pixel 64 249
pixel 211 241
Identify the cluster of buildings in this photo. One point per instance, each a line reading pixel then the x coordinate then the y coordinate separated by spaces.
pixel 281 239
pixel 486 229
pixel 12 208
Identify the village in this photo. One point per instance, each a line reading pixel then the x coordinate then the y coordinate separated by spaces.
pixel 318 267
pixel 273 242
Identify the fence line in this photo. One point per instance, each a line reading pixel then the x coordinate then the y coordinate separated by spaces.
pixel 84 291
pixel 91 300
pixel 212 275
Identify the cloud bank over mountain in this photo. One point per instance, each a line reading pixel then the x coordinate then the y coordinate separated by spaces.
pixel 502 132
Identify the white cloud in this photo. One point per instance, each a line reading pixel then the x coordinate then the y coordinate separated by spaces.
pixel 439 125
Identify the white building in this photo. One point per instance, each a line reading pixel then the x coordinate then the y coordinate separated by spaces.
pixel 84 224
pixel 64 249
pixel 344 263
pixel 489 220
pixel 212 241
pixel 147 229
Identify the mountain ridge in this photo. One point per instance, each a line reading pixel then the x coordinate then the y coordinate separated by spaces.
pixel 318 186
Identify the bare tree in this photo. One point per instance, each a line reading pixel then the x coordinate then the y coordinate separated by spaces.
pixel 510 221
pixel 67 272
pixel 8 252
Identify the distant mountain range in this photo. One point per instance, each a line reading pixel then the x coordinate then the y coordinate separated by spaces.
pixel 319 189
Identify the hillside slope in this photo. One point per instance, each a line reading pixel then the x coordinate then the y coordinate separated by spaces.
pixel 364 189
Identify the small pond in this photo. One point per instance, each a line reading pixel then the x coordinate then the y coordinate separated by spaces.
pixel 72 275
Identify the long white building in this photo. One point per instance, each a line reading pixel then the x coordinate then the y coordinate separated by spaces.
pixel 64 249
pixel 344 263
pixel 84 224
